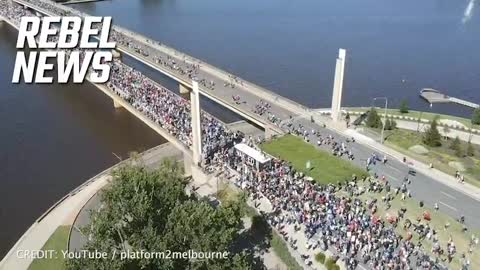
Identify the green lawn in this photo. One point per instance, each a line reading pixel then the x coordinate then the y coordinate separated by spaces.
pixel 280 248
pixel 437 222
pixel 325 168
pixel 58 242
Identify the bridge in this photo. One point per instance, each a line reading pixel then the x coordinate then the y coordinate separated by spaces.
pixel 427 185
pixel 225 84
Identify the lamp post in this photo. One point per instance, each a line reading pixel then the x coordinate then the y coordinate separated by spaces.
pixel 385 116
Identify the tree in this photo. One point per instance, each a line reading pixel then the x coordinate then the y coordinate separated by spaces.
pixel 470 150
pixel 476 117
pixel 404 106
pixel 393 123
pixel 388 125
pixel 446 130
pixel 432 137
pixel 150 211
pixel 456 146
pixel 373 119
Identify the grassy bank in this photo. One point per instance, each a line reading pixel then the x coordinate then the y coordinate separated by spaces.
pixel 417 114
pixel 58 242
pixel 325 168
pixel 280 248
pixel 402 140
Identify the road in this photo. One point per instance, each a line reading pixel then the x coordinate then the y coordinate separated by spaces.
pixel 423 187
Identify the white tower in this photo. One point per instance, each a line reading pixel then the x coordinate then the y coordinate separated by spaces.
pixel 338 85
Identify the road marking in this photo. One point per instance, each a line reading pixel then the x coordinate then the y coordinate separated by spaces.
pixel 448 195
pixel 391 167
pixel 451 207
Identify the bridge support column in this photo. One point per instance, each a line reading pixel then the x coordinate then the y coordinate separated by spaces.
pixel 187 165
pixel 196 124
pixel 183 89
pixel 269 133
pixel 117 104
pixel 116 54
pixel 338 86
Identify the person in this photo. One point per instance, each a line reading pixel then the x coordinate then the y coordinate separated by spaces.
pixel 436 206
pixel 404 159
pixel 384 159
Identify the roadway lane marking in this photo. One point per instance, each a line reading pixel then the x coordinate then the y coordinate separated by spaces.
pixel 393 168
pixel 448 195
pixel 451 207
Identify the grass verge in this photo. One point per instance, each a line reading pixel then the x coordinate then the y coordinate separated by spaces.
pixel 58 242
pixel 280 248
pixel 325 168
pixel 417 114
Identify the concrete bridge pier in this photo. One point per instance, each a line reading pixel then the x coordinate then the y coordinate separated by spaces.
pixel 187 165
pixel 183 89
pixel 116 54
pixel 196 124
pixel 117 104
pixel 269 133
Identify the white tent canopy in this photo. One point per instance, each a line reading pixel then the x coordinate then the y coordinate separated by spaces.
pixel 253 153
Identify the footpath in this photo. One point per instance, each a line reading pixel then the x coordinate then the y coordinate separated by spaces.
pixel 64 212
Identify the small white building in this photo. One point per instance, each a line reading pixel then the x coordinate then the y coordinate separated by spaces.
pixel 252 156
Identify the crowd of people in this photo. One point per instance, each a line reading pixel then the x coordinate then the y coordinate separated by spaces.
pixel 331 216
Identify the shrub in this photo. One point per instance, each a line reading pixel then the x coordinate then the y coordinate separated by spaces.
pixel 320 257
pixel 476 116
pixel 330 264
pixel 373 119
pixel 470 150
pixel 432 137
pixel 404 106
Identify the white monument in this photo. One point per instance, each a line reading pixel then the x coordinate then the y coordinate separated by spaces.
pixel 196 124
pixel 338 85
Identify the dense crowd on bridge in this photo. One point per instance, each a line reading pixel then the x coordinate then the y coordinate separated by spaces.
pixel 331 216
pixel 13 11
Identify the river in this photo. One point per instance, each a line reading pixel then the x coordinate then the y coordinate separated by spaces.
pixel 54 137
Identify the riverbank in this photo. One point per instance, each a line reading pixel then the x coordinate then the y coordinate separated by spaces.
pixel 64 212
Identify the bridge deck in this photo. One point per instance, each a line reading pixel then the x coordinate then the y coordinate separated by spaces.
pixel 250 93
